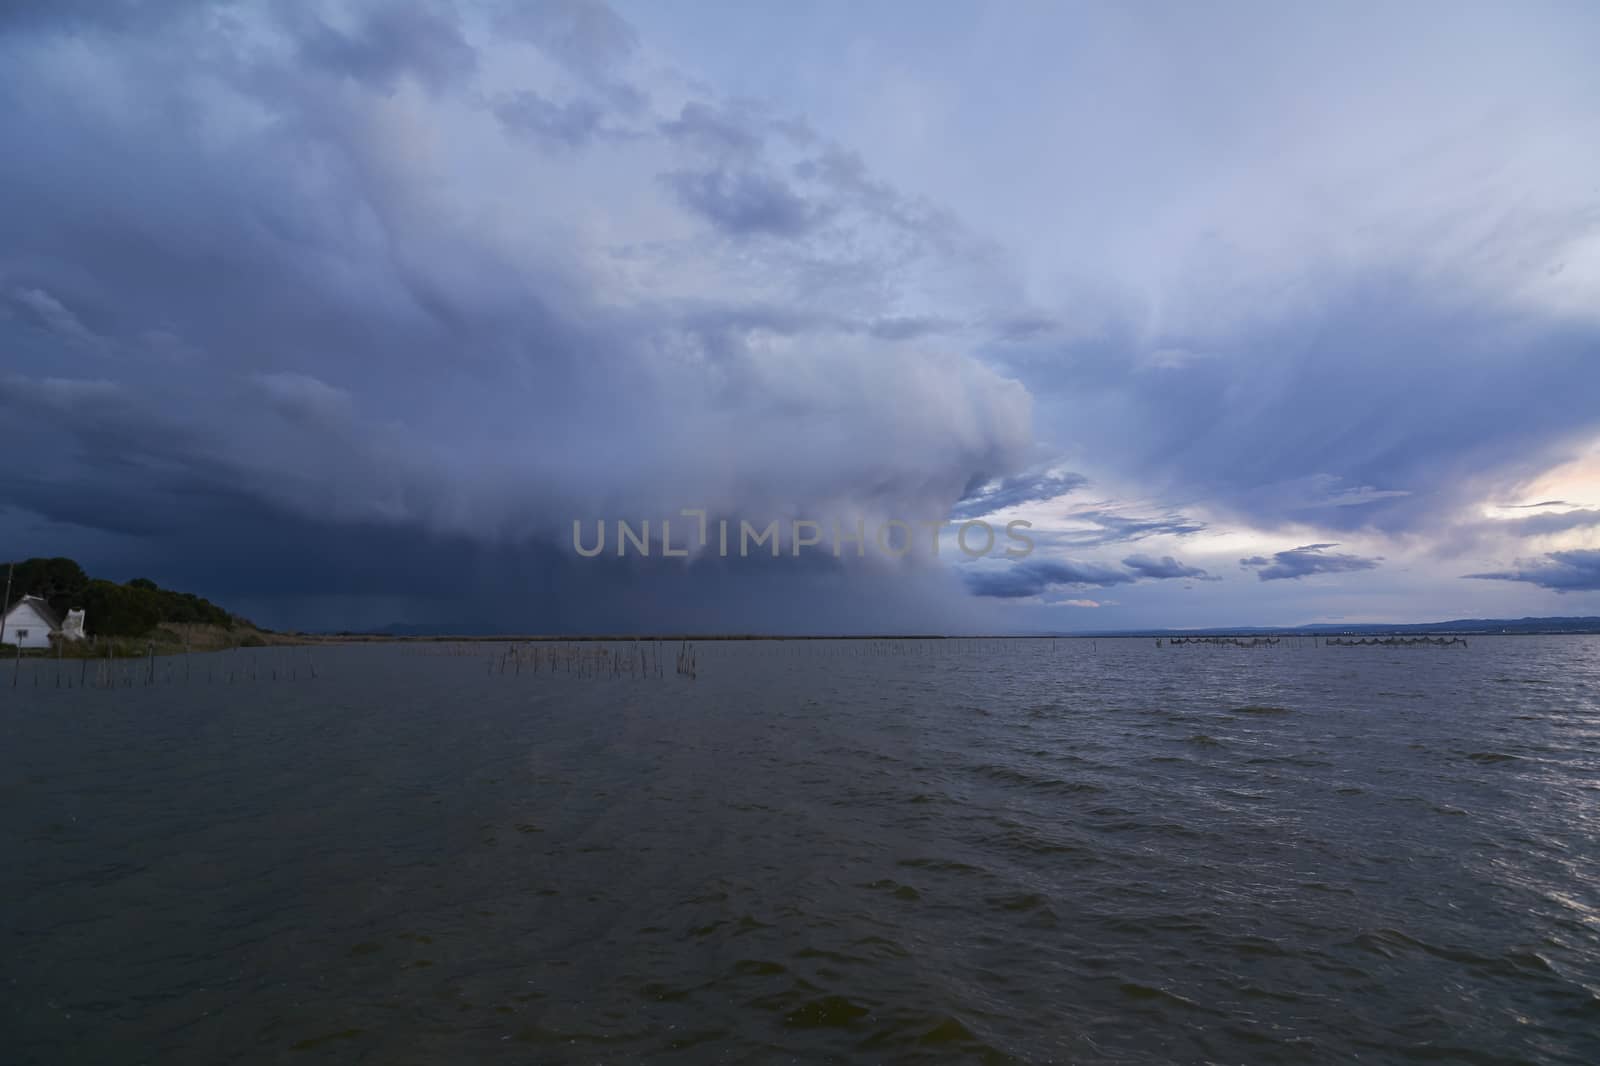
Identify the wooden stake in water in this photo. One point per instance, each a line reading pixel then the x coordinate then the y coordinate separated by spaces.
pixel 6 606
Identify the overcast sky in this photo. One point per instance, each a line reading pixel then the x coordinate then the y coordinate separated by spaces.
pixel 341 314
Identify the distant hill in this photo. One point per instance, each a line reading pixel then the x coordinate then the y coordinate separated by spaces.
pixel 442 629
pixel 132 609
pixel 1460 626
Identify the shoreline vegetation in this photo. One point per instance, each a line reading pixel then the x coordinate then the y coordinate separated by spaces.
pixel 129 619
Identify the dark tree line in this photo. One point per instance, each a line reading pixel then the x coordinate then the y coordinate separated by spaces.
pixel 112 610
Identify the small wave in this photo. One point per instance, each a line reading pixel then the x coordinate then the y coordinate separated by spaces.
pixel 1259 708
pixel 1019 838
pixel 1289 760
pixel 1261 947
pixel 1021 901
pixel 949 1031
pixel 943 866
pixel 1134 990
pixel 758 968
pixel 894 888
pixel 881 946
pixel 314 1042
pixel 828 1012
pixel 685 1041
pixel 1011 775
pixel 1394 944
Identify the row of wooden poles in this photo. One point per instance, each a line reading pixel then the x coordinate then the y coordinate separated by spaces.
pixel 639 658
pixel 149 670
pixel 1231 642
pixel 1396 642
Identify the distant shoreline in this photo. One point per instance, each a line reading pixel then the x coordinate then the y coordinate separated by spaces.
pixel 1365 631
pixel 265 640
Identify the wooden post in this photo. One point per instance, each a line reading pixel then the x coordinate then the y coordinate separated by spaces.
pixel 5 607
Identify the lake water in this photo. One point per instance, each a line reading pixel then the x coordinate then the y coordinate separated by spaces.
pixel 950 851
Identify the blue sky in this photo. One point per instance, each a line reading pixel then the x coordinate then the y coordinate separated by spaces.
pixel 342 314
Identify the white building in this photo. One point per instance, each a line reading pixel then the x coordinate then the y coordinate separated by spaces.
pixel 72 625
pixel 31 622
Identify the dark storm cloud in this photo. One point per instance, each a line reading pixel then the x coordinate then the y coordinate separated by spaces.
pixel 386 42
pixel 1109 527
pixel 910 327
pixel 586 38
pixel 1023 327
pixel 1018 580
pixel 1036 577
pixel 1544 524
pixel 1567 571
pixel 1163 568
pixel 1304 561
pixel 845 176
pixel 714 131
pixel 1385 402
pixel 256 288
pixel 1013 491
pixel 72 14
pixel 585 35
pixel 572 122
pixel 319 376
pixel 743 202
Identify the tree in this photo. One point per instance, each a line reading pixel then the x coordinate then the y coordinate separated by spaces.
pixel 113 610
pixel 58 580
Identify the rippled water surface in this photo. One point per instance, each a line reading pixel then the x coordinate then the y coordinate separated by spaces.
pixel 1032 851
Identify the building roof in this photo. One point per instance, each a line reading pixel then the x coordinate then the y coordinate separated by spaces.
pixel 40 608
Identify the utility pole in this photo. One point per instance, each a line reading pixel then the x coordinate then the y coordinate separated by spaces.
pixel 5 607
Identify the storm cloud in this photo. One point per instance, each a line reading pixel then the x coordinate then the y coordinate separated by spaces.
pixel 1165 567
pixel 1568 571
pixel 1036 577
pixel 1012 491
pixel 309 298
pixel 1304 561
